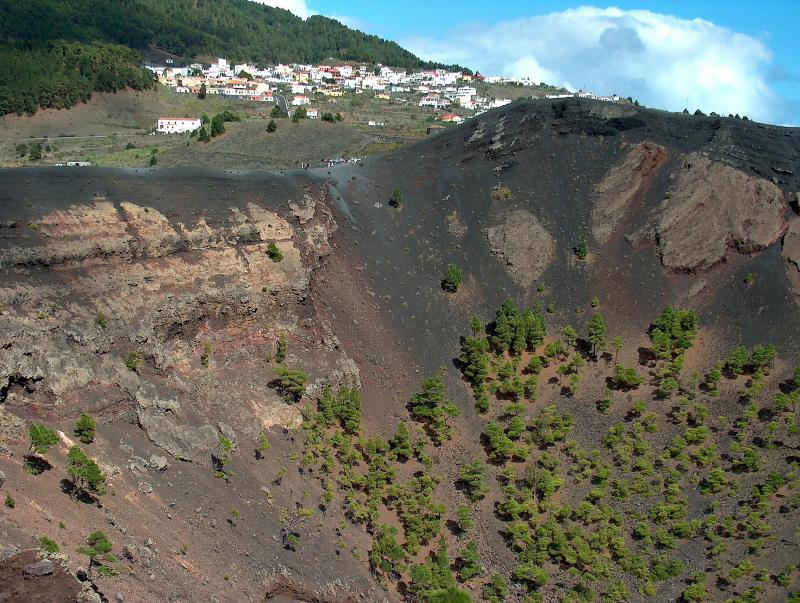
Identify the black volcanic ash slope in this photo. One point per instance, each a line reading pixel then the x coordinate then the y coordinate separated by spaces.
pixel 664 470
pixel 545 158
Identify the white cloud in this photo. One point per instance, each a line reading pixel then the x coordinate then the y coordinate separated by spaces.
pixel 661 60
pixel 297 7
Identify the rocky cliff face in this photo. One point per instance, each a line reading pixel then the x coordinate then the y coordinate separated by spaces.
pixel 124 286
pixel 713 207
pixel 113 308
pixel 625 183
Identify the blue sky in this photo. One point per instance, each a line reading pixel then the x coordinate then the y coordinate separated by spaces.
pixel 741 58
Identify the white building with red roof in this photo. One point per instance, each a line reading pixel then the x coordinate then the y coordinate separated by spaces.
pixel 452 118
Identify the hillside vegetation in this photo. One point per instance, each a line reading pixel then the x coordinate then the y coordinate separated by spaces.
pixel 610 500
pixel 57 75
pixel 40 70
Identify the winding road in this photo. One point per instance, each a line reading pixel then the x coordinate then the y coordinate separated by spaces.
pixel 280 99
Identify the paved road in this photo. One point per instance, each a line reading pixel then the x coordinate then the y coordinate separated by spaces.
pixel 281 100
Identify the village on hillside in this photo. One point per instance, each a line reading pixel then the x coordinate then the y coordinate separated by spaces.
pixel 450 95
pixel 339 112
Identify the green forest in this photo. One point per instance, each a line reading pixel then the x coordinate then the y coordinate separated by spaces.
pixel 56 52
pixel 56 75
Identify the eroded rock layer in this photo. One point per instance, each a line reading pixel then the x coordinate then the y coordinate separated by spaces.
pixel 713 207
pixel 138 301
pixel 525 245
pixel 623 184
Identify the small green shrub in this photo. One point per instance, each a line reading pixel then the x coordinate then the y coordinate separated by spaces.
pixel 281 348
pixel 133 361
pixel 582 248
pixel 453 278
pixel 274 253
pixel 85 429
pixel 626 378
pixel 291 383
pixel 48 544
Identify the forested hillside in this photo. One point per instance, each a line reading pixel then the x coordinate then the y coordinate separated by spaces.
pixel 59 74
pixel 237 29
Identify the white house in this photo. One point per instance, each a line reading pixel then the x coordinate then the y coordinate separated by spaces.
pixel 300 100
pixel 312 113
pixel 465 100
pixel 177 125
pixel 499 102
pixel 433 100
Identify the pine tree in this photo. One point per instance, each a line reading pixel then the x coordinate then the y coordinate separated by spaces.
pixel 396 199
pixel 85 429
pixel 482 404
pixel 464 516
pixel 387 556
pixel 348 409
pixel 432 407
pixel 475 324
pixel 496 590
pixel 98 548
pixel 291 383
pixel 505 326
pixel 217 125
pixel 469 562
pixel 596 329
pixel 582 248
pixel 533 327
pixel 674 331
pixel 35 153
pixel 473 478
pixel 274 254
pixel 326 406
pixel 475 359
pixel 42 438
pixel 263 445
pixel 400 444
pixel 223 458
pixel 616 344
pixel 451 594
pixel 281 349
pixel 453 278
pixel 85 473
pixel 570 335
